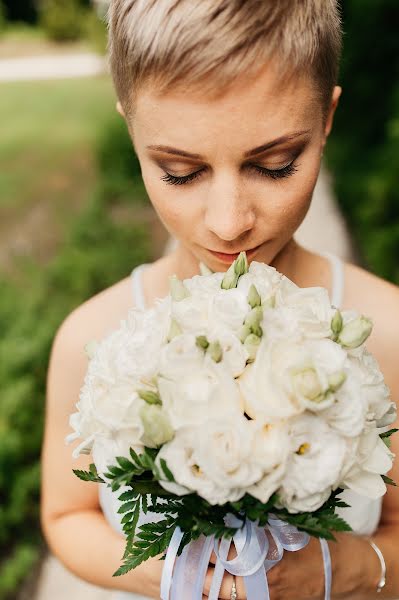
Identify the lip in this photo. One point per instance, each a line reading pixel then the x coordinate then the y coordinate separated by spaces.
pixel 229 258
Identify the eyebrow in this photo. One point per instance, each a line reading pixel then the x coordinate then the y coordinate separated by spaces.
pixel 255 151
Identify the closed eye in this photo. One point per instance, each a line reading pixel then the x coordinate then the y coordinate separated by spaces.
pixel 285 171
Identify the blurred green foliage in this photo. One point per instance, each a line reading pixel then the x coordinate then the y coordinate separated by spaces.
pixel 62 20
pixel 2 16
pixel 364 146
pixel 100 249
pixel 21 10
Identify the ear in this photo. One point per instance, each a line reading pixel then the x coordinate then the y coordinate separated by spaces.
pixel 331 111
pixel 120 109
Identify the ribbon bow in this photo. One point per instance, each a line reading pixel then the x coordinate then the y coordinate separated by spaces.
pixel 258 550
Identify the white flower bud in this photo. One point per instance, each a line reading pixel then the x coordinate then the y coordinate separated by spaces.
pixel 253 320
pixel 270 302
pixel 244 333
pixel 241 264
pixel 230 279
pixel 178 290
pixel 336 380
pixel 337 322
pixel 149 396
pixel 157 427
pixel 356 332
pixel 174 330
pixel 254 298
pixel 202 342
pixel 215 351
pixel 237 268
pixel 251 345
pixel 308 385
pixel 204 269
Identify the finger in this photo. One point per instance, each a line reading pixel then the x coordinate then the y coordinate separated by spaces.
pixel 226 587
pixel 232 554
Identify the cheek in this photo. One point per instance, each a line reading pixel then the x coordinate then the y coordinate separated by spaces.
pixel 289 203
pixel 175 209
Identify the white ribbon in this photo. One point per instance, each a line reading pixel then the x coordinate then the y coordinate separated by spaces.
pixel 258 550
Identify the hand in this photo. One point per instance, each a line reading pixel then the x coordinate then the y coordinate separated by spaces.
pixel 227 581
pixel 302 570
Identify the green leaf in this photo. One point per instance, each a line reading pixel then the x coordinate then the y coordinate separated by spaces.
pixel 127 506
pixel 388 480
pixel 388 433
pixel 125 463
pixel 90 475
pixel 156 542
pixel 129 495
pixel 386 437
pixel 168 473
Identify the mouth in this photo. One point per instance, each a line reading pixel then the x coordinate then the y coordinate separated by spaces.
pixel 228 258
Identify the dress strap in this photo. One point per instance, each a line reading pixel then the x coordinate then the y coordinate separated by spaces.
pixel 137 287
pixel 338 278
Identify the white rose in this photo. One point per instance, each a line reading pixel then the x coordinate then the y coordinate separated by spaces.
pixel 309 308
pixel 181 458
pixel 235 355
pixel 372 459
pixel 265 278
pixel 270 451
pixel 181 356
pixel 157 428
pixel 228 309
pixel 262 386
pixel 103 410
pixel 200 394
pixel 347 414
pixel 225 452
pixel 192 313
pixel 131 351
pixel 316 460
pixel 204 285
pixel 376 393
pixel 107 448
pixel 289 376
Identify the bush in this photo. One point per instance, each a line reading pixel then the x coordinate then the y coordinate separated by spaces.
pixel 62 20
pixel 119 168
pixel 96 32
pixel 3 21
pixel 364 146
pixel 21 10
pixel 98 251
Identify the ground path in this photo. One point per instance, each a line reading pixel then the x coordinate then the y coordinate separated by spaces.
pixel 55 66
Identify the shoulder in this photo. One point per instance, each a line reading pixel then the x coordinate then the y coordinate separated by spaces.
pixel 374 296
pixel 93 319
pixel 377 299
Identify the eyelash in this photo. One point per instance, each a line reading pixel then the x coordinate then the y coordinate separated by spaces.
pixel 286 171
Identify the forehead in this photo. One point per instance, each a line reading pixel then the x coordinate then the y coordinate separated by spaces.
pixel 255 107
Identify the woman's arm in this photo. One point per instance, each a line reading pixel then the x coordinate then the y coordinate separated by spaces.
pixel 72 521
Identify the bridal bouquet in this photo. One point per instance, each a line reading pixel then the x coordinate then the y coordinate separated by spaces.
pixel 240 403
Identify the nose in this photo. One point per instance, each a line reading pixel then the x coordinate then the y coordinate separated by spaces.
pixel 229 215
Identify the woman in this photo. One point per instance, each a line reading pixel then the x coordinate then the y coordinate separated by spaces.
pixel 229 104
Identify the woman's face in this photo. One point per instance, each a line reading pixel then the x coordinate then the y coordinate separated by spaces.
pixel 234 173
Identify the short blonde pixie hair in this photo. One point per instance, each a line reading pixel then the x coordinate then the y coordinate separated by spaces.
pixel 205 45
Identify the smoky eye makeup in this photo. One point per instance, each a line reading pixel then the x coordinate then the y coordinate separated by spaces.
pixel 288 168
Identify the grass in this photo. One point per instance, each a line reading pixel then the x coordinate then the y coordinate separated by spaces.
pixel 49 130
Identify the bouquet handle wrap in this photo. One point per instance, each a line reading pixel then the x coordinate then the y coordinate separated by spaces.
pixel 258 550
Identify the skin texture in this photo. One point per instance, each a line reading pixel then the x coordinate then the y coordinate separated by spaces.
pixel 229 208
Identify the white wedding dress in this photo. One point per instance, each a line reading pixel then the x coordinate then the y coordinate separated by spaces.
pixel 363 514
